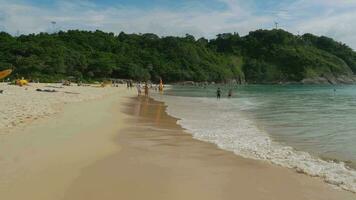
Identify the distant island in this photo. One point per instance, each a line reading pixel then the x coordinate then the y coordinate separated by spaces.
pixel 262 56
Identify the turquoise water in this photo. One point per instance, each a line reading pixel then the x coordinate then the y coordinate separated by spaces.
pixel 320 120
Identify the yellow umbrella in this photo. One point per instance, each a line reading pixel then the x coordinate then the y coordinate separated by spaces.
pixel 5 73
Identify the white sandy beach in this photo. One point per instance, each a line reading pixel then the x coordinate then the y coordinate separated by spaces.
pixel 39 158
pixel 104 144
pixel 19 105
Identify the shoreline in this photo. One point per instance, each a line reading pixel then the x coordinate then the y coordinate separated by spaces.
pixel 126 147
pixel 237 132
pixel 159 160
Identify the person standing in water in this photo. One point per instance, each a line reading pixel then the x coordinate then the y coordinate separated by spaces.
pixel 160 88
pixel 218 93
pixel 146 89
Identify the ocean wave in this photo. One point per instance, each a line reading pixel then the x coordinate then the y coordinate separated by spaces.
pixel 219 122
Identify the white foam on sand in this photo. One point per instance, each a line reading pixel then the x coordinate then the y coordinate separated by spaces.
pixel 219 122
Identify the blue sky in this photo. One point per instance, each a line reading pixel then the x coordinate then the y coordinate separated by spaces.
pixel 202 18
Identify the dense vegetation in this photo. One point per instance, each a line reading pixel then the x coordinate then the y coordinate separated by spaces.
pixel 261 56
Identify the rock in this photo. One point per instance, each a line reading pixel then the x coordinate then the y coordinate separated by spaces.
pixel 345 80
pixel 330 79
pixel 187 83
pixel 316 80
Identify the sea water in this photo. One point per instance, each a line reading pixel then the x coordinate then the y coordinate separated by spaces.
pixel 311 129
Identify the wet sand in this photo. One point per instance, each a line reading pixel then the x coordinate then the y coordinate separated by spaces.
pixel 158 160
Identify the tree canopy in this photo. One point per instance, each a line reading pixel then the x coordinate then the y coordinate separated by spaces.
pixel 262 56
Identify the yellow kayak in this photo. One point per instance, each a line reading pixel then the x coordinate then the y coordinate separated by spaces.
pixel 5 73
pixel 21 82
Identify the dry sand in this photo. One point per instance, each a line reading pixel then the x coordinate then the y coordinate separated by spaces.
pixel 39 160
pixel 158 160
pixel 20 105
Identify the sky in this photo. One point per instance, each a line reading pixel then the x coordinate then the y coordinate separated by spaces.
pixel 201 18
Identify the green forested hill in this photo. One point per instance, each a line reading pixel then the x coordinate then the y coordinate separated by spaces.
pixel 279 56
pixel 263 56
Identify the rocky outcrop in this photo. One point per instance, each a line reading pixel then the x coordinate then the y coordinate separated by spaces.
pixel 186 83
pixel 346 79
pixel 330 79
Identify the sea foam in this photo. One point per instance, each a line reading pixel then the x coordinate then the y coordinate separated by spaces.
pixel 219 122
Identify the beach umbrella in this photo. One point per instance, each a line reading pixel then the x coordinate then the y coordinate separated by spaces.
pixel 5 73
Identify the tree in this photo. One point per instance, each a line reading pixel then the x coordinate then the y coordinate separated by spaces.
pixel 259 57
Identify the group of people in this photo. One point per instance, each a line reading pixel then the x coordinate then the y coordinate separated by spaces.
pixel 139 89
pixel 145 87
pixel 129 84
pixel 218 93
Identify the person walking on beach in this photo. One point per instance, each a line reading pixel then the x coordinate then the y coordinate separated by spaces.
pixel 146 89
pixel 160 88
pixel 230 93
pixel 138 86
pixel 218 93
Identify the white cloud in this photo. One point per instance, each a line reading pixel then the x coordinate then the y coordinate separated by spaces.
pixel 334 18
pixel 69 15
